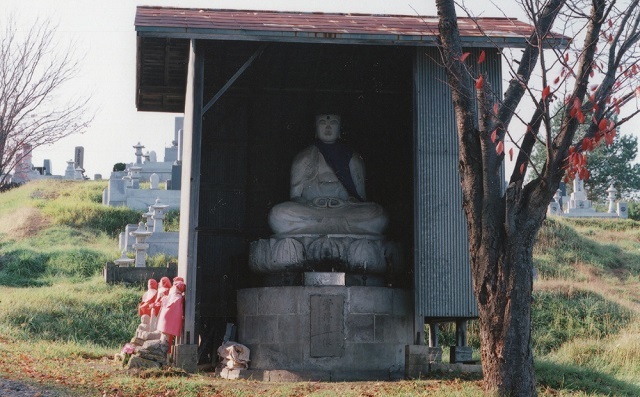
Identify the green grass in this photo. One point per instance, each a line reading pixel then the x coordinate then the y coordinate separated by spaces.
pixel 89 312
pixel 566 248
pixel 57 238
pixel 561 316
pixel 60 323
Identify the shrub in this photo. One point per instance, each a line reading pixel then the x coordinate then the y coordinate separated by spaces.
pixel 119 167
pixel 172 221
pixel 633 208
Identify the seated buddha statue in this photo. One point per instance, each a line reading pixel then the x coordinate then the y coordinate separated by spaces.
pixel 327 190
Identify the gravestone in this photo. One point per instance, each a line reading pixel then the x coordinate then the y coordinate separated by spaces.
pixel 154 181
pixel 79 156
pixel 578 203
pixel 47 167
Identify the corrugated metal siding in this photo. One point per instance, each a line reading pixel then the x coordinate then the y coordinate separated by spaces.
pixel 442 268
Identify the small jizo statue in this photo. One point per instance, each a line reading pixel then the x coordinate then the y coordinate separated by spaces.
pixel 148 298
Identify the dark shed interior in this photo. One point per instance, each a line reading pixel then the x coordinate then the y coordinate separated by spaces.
pixel 251 134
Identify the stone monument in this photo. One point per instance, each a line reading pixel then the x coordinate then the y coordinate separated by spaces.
pixel 79 157
pixel 578 202
pixel 579 206
pixel 326 312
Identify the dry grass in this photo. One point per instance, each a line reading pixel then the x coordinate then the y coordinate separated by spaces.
pixel 619 293
pixel 23 223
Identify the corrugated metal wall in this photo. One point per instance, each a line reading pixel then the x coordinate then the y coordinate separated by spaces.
pixel 442 269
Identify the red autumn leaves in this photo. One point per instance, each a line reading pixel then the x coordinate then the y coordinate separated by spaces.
pixel 576 161
pixel 576 165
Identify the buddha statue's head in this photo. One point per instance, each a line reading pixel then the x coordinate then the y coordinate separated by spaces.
pixel 328 127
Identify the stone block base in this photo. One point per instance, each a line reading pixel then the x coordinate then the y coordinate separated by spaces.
pixel 306 376
pixel 332 329
pixel 456 368
pixel 418 358
pixel 460 354
pixel 186 357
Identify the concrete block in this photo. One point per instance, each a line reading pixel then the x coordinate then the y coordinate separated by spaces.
pixel 360 327
pixel 370 300
pixel 247 301
pixel 299 376
pixel 292 328
pixel 362 375
pixel 460 354
pixel 278 300
pixel 456 368
pixel 326 325
pixel 391 329
pixel 141 199
pixel 250 374
pixel 186 357
pixel 259 329
pixel 402 302
pixel 304 307
pixel 417 359
pixel 116 192
pixel 323 278
pixel 276 355
pixel 163 243
pixel 373 356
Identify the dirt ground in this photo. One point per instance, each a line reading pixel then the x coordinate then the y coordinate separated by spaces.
pixel 14 388
pixel 25 222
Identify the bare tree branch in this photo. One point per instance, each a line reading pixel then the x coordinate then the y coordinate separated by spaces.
pixel 32 73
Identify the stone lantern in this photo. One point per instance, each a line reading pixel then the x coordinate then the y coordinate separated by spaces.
pixel 139 154
pixel 140 245
pixel 158 215
pixel 148 219
pixel 124 261
pixel 135 176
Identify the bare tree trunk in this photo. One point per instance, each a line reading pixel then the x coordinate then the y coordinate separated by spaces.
pixel 502 264
pixel 505 319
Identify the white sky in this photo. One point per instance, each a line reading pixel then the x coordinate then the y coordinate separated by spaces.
pixel 103 32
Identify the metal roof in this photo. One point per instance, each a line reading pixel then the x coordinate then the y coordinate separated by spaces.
pixel 192 23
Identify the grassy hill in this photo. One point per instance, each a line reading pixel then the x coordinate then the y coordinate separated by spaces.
pixel 60 324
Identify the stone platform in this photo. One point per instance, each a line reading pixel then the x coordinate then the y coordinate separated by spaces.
pixel 338 332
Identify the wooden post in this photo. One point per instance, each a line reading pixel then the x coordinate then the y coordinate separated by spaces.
pixel 189 202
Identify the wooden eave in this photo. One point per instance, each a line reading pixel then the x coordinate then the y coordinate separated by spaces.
pixel 164 34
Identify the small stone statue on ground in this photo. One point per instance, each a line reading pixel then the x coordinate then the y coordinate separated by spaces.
pixel 171 314
pixel 163 290
pixel 148 298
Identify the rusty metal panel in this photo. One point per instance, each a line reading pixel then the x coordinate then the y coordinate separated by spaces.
pixel 442 267
pixel 317 27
